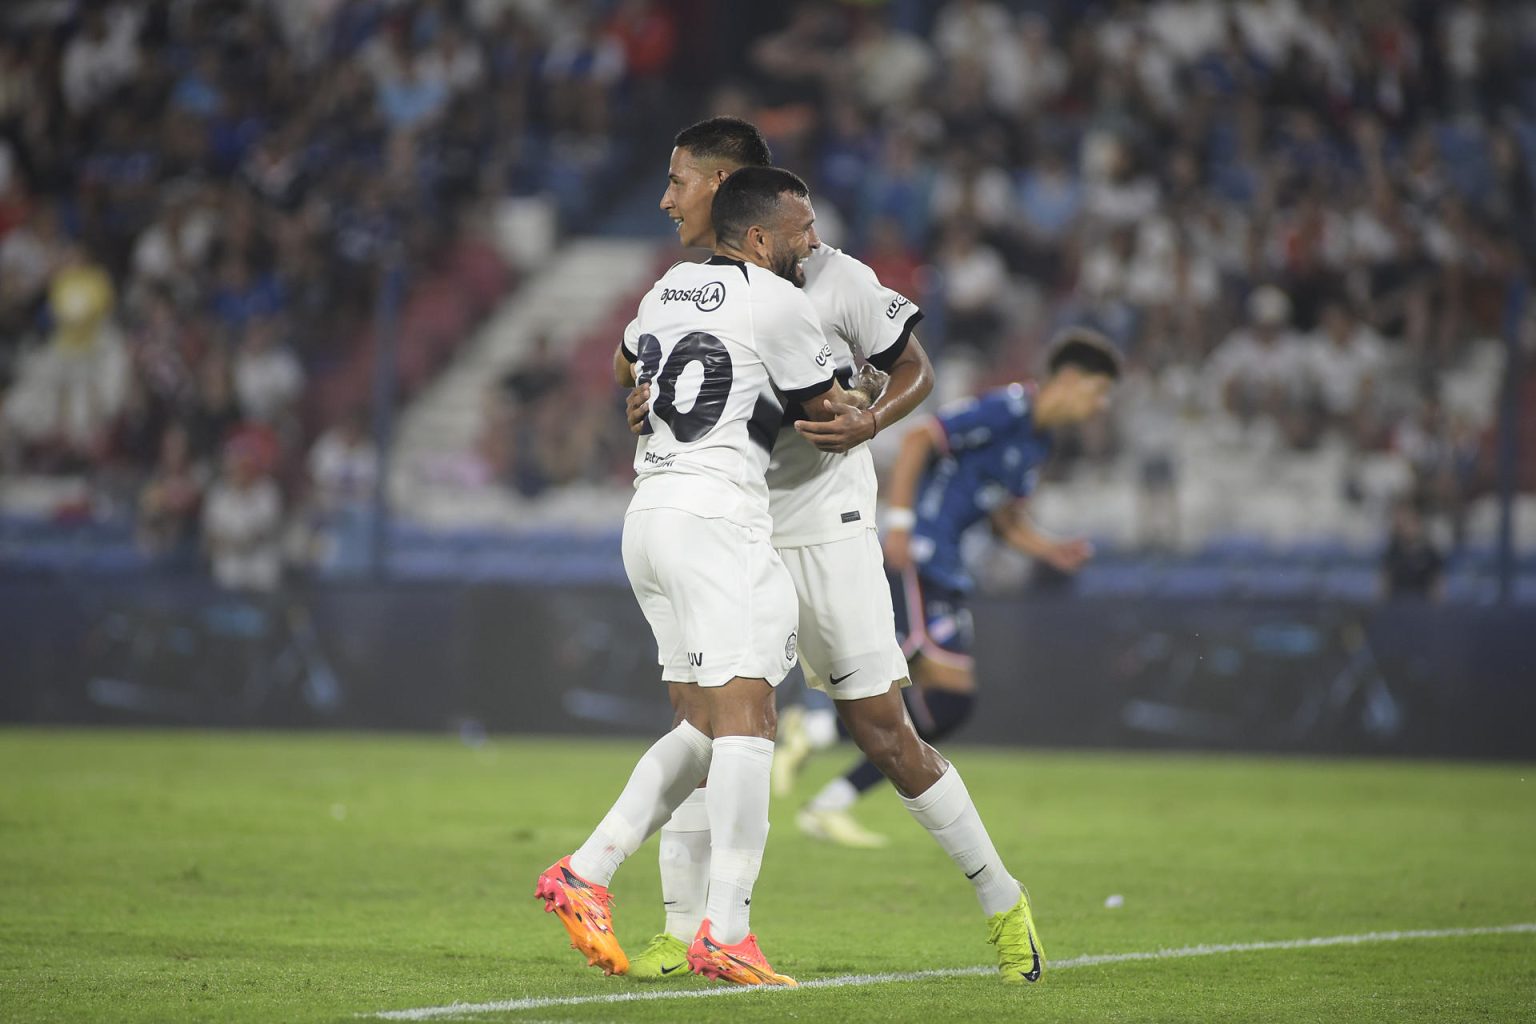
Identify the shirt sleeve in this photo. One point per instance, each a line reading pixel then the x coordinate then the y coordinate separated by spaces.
pixel 630 345
pixel 976 422
pixel 874 320
pixel 790 342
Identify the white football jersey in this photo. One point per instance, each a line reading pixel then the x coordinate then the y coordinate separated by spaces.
pixel 817 497
pixel 720 342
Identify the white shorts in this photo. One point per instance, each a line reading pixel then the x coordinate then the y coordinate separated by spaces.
pixel 716 595
pixel 847 628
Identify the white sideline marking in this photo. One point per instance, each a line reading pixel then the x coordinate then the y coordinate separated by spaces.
pixel 846 980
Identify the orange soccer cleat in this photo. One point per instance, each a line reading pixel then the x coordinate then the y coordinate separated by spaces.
pixel 742 963
pixel 584 910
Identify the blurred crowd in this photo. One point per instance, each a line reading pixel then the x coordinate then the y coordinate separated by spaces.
pixel 1296 217
pixel 197 199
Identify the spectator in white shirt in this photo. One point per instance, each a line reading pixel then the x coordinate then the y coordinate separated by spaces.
pixel 975 281
pixel 242 522
pixel 1260 371
pixel 1347 359
pixel 343 468
pixel 268 377
pixel 103 56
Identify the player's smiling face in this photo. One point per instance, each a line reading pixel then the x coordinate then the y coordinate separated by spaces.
pixel 691 185
pixel 794 236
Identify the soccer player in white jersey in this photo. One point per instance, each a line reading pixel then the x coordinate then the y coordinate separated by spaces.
pixel 721 342
pixel 823 503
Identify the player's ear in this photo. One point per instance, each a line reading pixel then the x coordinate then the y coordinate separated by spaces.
pixel 757 238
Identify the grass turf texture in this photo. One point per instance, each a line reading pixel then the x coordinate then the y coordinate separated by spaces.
pixel 149 876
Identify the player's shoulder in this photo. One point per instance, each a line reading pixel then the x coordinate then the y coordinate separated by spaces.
pixel 830 267
pixel 769 288
pixel 685 270
pixel 687 285
pixel 1018 397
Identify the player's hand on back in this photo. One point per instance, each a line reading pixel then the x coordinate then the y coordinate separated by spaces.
pixel 871 381
pixel 1069 555
pixel 638 407
pixel 851 426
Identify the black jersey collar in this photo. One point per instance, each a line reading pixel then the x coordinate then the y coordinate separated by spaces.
pixel 718 260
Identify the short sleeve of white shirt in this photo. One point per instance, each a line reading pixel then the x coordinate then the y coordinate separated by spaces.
pixel 631 342
pixel 874 320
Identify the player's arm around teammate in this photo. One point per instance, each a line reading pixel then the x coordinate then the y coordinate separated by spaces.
pixel 910 381
pixel 866 409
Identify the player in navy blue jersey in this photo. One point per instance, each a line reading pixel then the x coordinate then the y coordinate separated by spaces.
pixel 976 461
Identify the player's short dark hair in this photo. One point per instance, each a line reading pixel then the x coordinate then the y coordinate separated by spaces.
pixel 1088 350
pixel 727 139
pixel 751 196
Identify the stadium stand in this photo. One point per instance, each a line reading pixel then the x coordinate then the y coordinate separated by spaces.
pixel 1308 226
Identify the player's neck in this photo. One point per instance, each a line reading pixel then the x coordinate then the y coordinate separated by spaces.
pixel 730 252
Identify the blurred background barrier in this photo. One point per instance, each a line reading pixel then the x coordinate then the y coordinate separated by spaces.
pixel 1182 672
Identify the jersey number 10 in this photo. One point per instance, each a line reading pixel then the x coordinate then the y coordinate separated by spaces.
pixel 715 388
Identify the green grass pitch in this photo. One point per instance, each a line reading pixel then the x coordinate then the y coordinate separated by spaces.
pixel 155 876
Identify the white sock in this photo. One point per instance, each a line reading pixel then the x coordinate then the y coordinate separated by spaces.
pixel 738 825
pixel 837 795
pixel 684 857
pixel 948 814
pixel 662 779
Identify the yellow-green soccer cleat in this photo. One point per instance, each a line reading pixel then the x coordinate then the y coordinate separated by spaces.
pixel 1020 956
pixel 666 956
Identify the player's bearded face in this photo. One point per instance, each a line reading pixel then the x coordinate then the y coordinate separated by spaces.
pixel 794 237
pixel 786 262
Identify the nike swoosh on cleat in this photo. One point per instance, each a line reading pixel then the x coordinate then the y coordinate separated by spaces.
pixel 668 903
pixel 1033 974
pixel 834 680
pixel 674 967
pixel 978 871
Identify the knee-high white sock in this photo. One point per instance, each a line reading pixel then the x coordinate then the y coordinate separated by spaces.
pixel 662 779
pixel 684 860
pixel 948 814
pixel 738 826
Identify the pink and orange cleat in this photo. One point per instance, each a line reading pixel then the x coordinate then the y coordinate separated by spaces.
pixel 585 911
pixel 741 963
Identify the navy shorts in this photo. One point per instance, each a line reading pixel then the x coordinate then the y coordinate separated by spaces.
pixel 931 620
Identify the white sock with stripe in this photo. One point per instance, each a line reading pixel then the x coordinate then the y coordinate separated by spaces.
pixel 949 815
pixel 684 861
